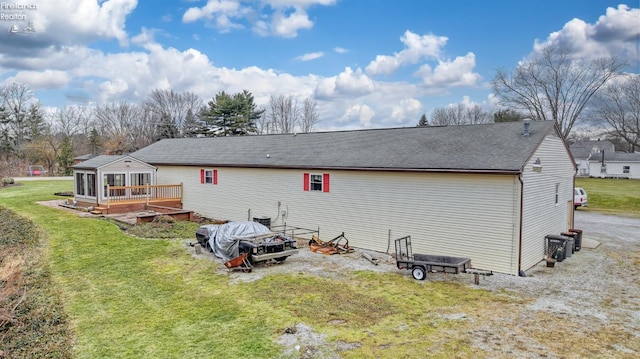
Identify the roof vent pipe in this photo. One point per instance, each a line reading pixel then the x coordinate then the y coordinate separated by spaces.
pixel 527 122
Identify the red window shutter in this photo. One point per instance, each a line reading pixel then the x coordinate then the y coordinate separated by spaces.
pixel 202 176
pixel 306 181
pixel 325 182
pixel 215 176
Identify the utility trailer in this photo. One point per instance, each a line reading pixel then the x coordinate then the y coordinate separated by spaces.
pixel 421 264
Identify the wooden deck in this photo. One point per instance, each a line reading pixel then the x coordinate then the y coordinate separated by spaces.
pixel 120 199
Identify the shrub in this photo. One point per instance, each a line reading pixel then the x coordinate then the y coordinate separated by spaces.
pixel 7 181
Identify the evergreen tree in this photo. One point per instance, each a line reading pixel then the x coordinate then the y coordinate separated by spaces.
pixel 192 126
pixel 423 121
pixel 95 142
pixel 65 158
pixel 231 115
pixel 167 128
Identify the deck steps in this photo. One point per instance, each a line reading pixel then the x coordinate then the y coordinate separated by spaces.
pixel 98 210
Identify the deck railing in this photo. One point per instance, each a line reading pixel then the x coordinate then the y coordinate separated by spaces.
pixel 145 193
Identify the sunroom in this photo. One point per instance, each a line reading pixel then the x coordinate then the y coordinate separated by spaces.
pixel 115 184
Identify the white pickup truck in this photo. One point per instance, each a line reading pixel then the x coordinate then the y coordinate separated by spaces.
pixel 579 198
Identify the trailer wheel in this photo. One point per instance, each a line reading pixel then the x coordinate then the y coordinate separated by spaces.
pixel 418 273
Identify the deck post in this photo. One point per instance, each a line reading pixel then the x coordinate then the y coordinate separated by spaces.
pixel 107 196
pixel 148 193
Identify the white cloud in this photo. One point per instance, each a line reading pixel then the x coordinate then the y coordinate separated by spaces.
pixel 62 60
pixel 310 56
pixel 282 18
pixel 456 73
pixel 353 82
pixel 83 20
pixel 62 29
pixel 348 82
pixel 492 100
pixel 406 108
pixel 417 48
pixel 48 79
pixel 360 113
pixel 287 25
pixel 112 89
pixel 298 3
pixel 212 10
pixel 617 33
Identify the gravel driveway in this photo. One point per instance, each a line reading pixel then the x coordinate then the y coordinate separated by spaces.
pixel 594 296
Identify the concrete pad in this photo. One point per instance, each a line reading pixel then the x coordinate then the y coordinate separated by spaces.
pixel 589 243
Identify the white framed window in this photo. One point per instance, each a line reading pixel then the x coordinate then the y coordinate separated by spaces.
pixel 626 169
pixel 316 182
pixel 114 179
pixel 140 179
pixel 209 176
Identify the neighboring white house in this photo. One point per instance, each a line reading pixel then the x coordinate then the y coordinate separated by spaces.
pixel 487 192
pixel 600 159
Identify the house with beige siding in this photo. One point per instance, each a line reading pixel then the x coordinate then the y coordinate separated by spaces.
pixel 487 192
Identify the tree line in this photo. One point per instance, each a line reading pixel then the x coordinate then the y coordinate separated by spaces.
pixel 548 86
pixel 552 85
pixel 29 134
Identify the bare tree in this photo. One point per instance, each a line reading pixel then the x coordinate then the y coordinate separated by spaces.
pixel 553 86
pixel 172 112
pixel 283 114
pixel 21 117
pixel 440 116
pixel 617 106
pixel 309 116
pixel 125 126
pixel 507 115
pixel 476 115
pixel 459 114
pixel 71 120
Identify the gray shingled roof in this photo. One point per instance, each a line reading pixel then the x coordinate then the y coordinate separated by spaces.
pixel 493 147
pixel 616 157
pixel 582 148
pixel 98 161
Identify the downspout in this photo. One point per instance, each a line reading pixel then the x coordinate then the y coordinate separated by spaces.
pixel 95 186
pixel 521 223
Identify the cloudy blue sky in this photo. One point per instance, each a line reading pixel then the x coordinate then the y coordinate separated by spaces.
pixel 367 63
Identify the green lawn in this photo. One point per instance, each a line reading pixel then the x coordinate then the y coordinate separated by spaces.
pixel 614 196
pixel 127 297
